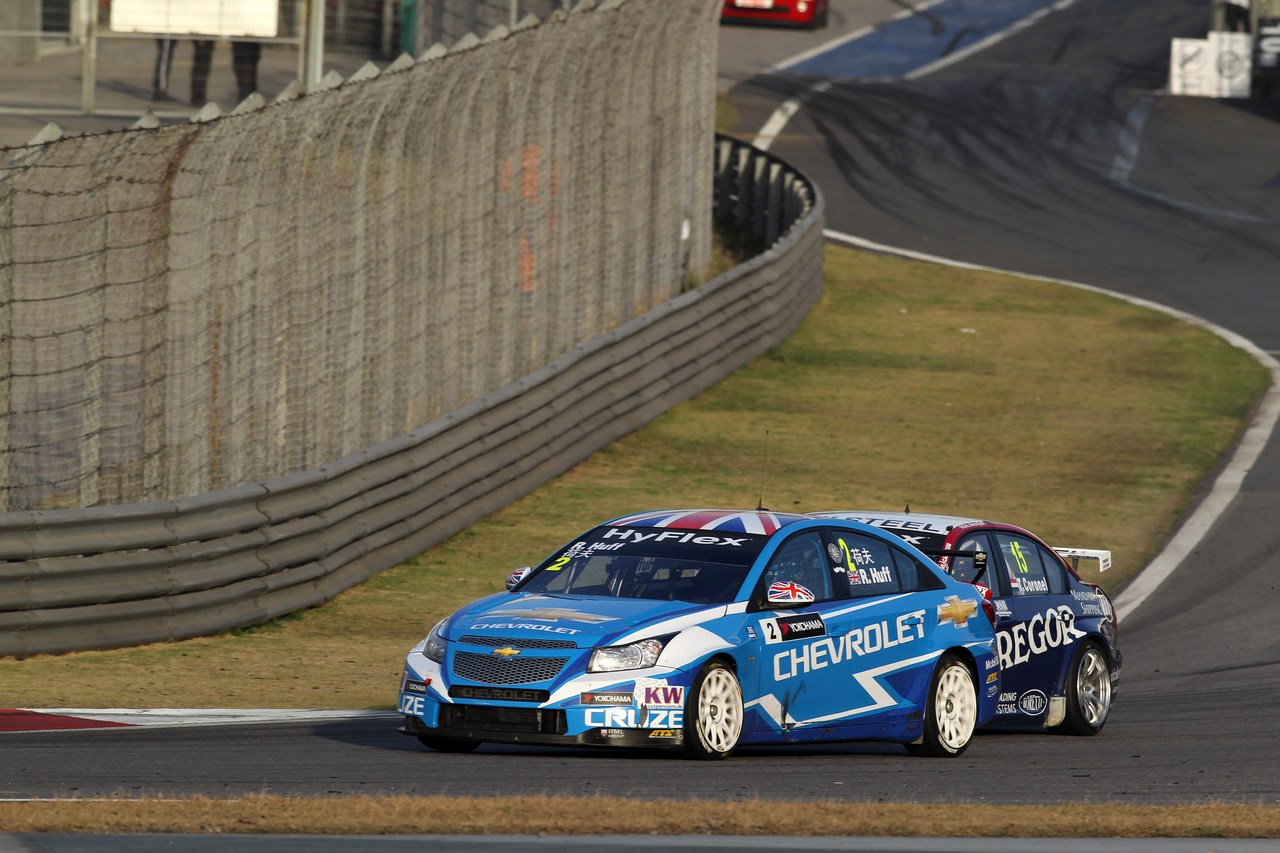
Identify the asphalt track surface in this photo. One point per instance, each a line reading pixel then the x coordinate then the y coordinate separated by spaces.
pixel 1048 152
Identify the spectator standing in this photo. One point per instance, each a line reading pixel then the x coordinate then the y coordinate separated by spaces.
pixel 244 62
pixel 164 67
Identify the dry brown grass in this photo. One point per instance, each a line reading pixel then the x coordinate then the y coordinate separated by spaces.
pixel 605 815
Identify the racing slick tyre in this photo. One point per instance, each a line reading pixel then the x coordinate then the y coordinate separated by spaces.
pixel 713 713
pixel 951 710
pixel 1088 692
pixel 445 744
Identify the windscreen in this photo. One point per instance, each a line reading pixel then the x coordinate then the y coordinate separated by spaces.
pixel 698 566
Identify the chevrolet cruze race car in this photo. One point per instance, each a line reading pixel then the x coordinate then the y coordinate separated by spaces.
pixel 700 630
pixel 1055 633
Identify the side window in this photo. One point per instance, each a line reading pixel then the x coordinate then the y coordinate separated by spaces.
pixel 1053 571
pixel 965 569
pixel 864 563
pixel 803 560
pixel 1020 558
pixel 912 574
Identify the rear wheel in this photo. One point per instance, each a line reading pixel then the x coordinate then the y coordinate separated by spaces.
pixel 951 710
pixel 445 744
pixel 1088 692
pixel 713 713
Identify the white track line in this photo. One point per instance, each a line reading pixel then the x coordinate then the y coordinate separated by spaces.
pixel 994 38
pixel 1228 483
pixel 205 716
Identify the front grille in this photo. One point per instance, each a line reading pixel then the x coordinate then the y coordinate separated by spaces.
pixel 485 718
pixel 498 694
pixel 493 669
pixel 517 642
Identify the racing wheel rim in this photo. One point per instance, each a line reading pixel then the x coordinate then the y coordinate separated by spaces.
pixel 955 707
pixel 1093 687
pixel 720 710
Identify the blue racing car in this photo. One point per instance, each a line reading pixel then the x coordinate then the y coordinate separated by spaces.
pixel 703 630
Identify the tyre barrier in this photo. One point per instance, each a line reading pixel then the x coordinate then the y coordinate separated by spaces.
pixel 113 576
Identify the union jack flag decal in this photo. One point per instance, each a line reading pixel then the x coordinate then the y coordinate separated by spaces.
pixel 789 591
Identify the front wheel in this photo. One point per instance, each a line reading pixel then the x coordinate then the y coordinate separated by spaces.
pixel 951 710
pixel 1088 692
pixel 713 713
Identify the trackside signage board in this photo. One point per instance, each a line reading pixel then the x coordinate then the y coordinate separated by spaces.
pixel 1219 66
pixel 185 17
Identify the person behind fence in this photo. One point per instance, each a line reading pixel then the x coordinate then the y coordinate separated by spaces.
pixel 165 49
pixel 1235 16
pixel 244 62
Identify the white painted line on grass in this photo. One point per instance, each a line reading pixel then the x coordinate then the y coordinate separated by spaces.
pixel 1228 483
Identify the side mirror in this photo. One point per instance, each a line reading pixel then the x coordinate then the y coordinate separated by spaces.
pixel 784 594
pixel 517 576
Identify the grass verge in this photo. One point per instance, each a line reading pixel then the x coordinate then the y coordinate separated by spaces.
pixel 605 815
pixel 1081 417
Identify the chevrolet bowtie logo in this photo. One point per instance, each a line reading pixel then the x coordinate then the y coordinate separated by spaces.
pixel 957 611
pixel 506 651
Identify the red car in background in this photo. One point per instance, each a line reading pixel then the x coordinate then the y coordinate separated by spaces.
pixel 799 13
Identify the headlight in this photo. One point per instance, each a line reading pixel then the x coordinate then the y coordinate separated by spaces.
pixel 433 648
pixel 639 655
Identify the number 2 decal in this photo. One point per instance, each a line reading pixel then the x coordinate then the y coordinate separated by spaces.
pixel 559 564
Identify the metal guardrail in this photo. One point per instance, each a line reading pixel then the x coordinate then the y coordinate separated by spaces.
pixel 111 576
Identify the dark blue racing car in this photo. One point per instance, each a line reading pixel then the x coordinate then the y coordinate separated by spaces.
pixel 1056 633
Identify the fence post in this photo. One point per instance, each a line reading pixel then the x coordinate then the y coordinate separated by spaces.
pixel 89 57
pixel 313 46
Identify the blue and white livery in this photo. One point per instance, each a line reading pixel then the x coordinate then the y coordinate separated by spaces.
pixel 703 630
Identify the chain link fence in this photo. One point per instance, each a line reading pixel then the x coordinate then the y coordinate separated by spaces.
pixel 193 307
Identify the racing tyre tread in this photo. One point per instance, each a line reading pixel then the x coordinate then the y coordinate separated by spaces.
pixel 951 710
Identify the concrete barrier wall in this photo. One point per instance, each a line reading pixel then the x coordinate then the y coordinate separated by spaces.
pixel 112 576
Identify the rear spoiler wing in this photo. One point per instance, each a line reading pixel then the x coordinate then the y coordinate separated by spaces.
pixel 1075 555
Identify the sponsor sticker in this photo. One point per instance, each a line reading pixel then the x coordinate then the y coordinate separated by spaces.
pixel 800 626
pixel 993 678
pixel 860 641
pixel 1054 628
pixel 651 693
pixel 418 688
pixel 664 734
pixel 612 733
pixel 609 698
pixel 1033 702
pixel 635 718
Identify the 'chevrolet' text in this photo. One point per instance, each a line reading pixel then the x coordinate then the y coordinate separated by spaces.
pixel 865 640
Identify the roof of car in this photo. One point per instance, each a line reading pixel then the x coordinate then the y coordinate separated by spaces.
pixel 736 520
pixel 902 520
